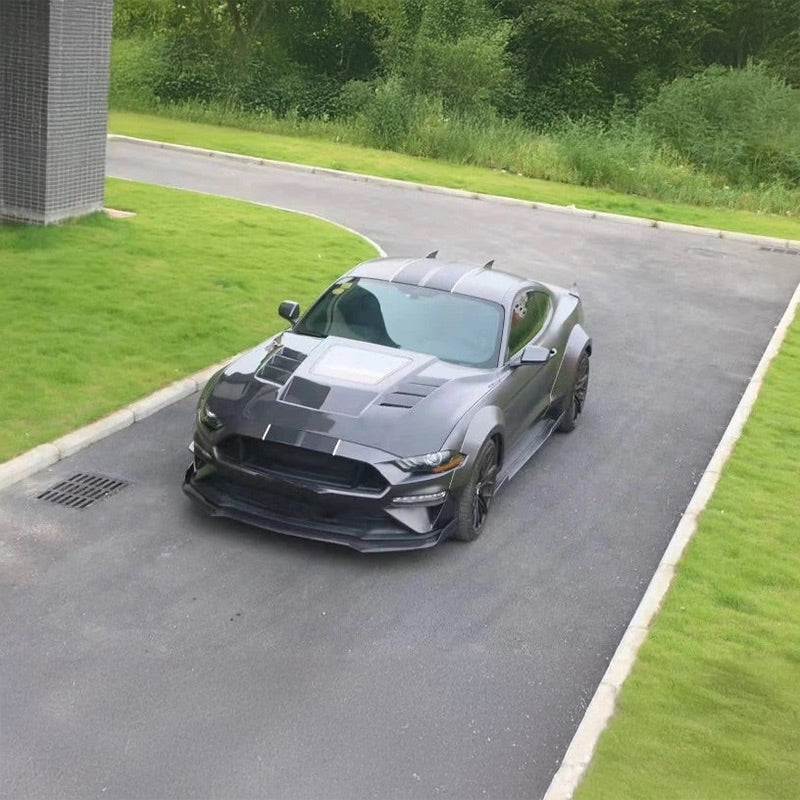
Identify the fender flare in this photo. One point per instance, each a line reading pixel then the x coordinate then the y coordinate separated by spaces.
pixel 578 342
pixel 488 422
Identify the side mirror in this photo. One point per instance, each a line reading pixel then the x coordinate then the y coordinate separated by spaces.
pixel 290 310
pixel 534 354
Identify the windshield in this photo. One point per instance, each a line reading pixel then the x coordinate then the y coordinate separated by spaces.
pixel 452 327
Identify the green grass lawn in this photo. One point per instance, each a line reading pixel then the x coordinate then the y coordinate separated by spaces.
pixel 712 707
pixel 476 179
pixel 96 314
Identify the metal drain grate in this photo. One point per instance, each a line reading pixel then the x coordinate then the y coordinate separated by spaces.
pixel 81 490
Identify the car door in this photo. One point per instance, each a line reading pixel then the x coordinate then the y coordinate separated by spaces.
pixel 527 387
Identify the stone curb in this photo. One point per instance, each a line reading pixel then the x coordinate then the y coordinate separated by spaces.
pixel 427 187
pixel 45 455
pixel 602 705
pixel 29 462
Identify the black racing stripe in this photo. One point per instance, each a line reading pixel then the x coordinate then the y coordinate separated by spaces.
pixel 318 442
pixel 446 277
pixel 297 438
pixel 307 393
pixel 414 272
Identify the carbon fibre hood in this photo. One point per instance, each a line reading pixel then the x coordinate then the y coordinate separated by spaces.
pixel 396 401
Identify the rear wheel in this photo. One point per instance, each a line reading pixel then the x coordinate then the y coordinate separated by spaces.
pixel 577 397
pixel 473 507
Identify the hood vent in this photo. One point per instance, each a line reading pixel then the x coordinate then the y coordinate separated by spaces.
pixel 408 394
pixel 280 365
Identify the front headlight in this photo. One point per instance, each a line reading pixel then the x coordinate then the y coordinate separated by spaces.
pixel 208 418
pixel 434 463
pixel 204 416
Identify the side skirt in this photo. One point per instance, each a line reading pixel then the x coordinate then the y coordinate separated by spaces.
pixel 530 442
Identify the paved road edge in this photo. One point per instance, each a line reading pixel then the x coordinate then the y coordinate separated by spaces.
pixel 601 707
pixel 768 241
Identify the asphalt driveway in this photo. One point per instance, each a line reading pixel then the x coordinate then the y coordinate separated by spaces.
pixel 148 651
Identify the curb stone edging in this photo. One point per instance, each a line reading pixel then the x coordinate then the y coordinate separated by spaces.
pixel 787 244
pixel 601 708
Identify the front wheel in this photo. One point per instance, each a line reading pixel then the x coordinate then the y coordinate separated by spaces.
pixel 577 397
pixel 473 507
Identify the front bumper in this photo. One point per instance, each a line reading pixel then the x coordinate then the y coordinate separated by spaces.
pixel 364 523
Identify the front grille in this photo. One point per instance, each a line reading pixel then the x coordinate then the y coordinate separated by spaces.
pixel 310 466
pixel 306 506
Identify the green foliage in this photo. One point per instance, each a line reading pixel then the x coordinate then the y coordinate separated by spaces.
pixel 453 50
pixel 565 56
pixel 388 116
pixel 576 57
pixel 354 97
pixel 465 73
pixel 743 124
pixel 293 90
pixel 550 89
pixel 137 64
pixel 139 17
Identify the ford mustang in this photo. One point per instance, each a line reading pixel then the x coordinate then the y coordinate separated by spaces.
pixel 389 414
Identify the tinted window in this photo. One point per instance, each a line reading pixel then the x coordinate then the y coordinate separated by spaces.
pixel 528 316
pixel 453 327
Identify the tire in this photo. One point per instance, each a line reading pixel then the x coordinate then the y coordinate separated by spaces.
pixel 473 506
pixel 576 398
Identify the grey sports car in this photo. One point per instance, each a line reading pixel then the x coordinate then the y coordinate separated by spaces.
pixel 388 415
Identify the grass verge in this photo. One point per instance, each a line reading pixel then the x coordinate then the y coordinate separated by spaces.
pixel 712 707
pixel 477 179
pixel 98 313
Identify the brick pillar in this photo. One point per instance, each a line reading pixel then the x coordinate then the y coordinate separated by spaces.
pixel 54 72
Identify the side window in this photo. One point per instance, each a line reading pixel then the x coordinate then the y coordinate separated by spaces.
pixel 528 315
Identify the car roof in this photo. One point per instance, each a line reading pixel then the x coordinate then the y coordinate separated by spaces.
pixel 450 276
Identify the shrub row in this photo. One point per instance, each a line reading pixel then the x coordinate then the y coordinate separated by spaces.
pixel 723 137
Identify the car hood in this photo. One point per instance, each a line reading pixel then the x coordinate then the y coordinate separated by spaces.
pixel 397 401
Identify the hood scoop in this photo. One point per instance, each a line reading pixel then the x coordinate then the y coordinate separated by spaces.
pixel 280 365
pixel 408 394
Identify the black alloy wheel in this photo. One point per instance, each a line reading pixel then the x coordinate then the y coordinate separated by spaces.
pixel 473 508
pixel 577 397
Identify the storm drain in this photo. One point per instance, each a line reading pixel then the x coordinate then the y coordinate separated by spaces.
pixel 81 490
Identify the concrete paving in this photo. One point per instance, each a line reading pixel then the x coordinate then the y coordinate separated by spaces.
pixel 149 651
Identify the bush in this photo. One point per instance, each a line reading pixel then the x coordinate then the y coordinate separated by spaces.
pixel 741 123
pixel 136 64
pixel 354 97
pixel 288 90
pixel 388 116
pixel 467 73
pixel 139 17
